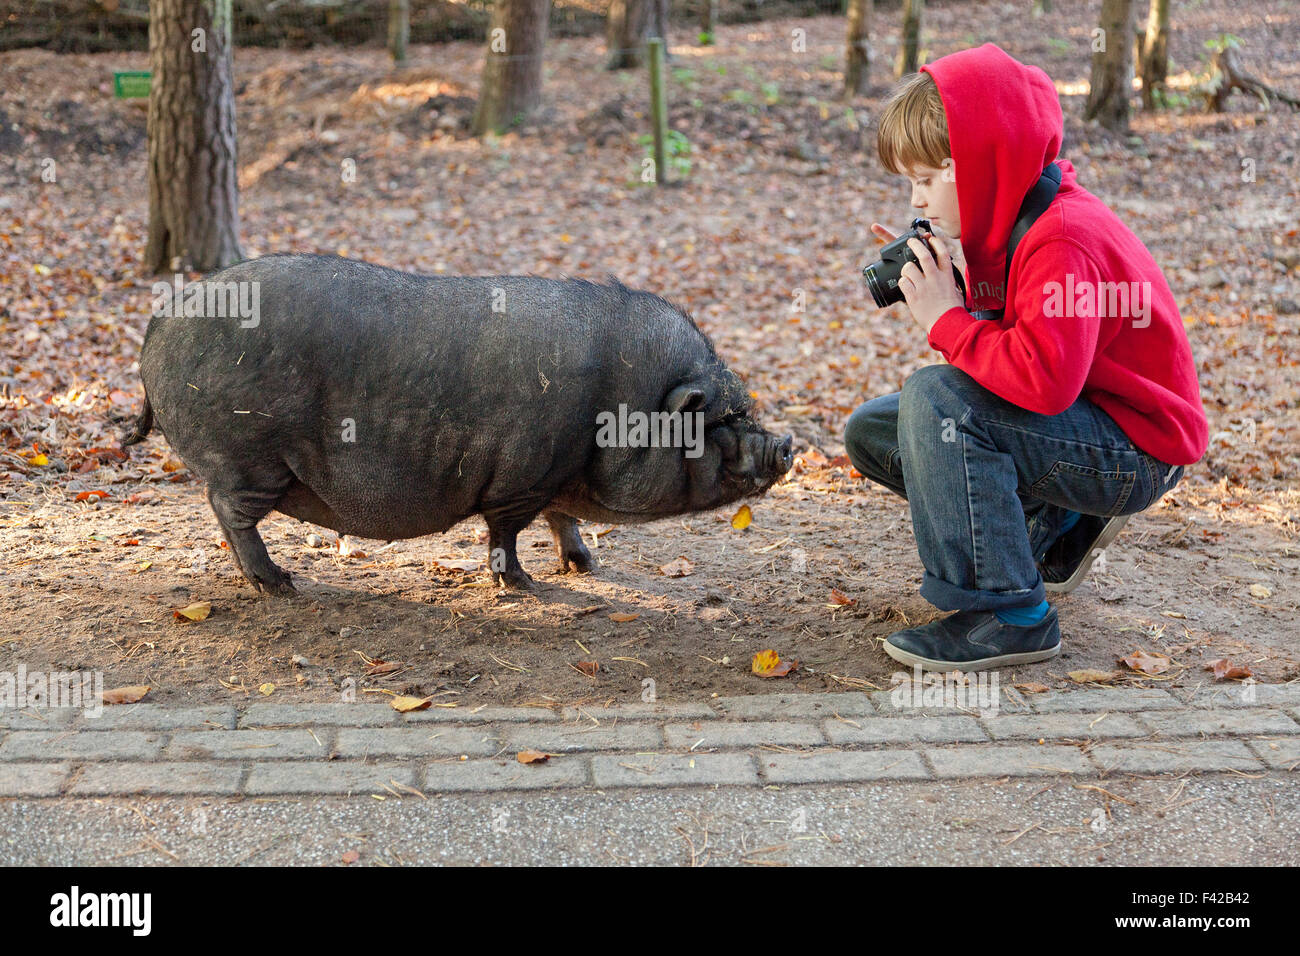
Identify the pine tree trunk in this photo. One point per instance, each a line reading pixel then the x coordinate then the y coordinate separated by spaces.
pixel 512 74
pixel 1155 52
pixel 193 184
pixel 857 52
pixel 399 28
pixel 1110 83
pixel 910 45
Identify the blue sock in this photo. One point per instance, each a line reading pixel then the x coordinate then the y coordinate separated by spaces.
pixel 1071 519
pixel 1023 616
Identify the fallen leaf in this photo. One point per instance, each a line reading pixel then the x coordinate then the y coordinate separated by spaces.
pixel 742 518
pixel 404 705
pixel 769 664
pixel 532 756
pixel 351 857
pixel 1093 677
pixel 86 495
pixel 124 695
pixel 590 668
pixel 266 690
pixel 1224 669
pixel 1032 688
pixel 842 599
pixel 677 569
pixel 622 617
pixel 383 667
pixel 1150 663
pixel 1260 591
pixel 197 611
pixel 457 564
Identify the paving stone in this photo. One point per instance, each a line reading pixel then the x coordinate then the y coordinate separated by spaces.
pixel 1028 761
pixel 1193 723
pixel 1283 754
pixel 330 715
pixel 1058 726
pixel 1097 700
pixel 1234 694
pixel 293 744
pixel 567 739
pixel 157 778
pixel 728 733
pixel 781 706
pixel 37 718
pixel 673 770
pixel 888 730
pixel 65 745
pixel 158 717
pixel 640 711
pixel 1174 756
pixel 507 774
pixel 327 777
pixel 913 700
pixel 31 779
pixel 842 766
pixel 480 715
pixel 425 741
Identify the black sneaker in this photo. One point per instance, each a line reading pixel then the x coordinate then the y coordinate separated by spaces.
pixel 1067 561
pixel 975 641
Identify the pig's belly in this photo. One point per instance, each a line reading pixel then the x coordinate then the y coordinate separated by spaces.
pixel 377 515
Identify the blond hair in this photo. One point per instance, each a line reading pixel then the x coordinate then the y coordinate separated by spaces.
pixel 913 127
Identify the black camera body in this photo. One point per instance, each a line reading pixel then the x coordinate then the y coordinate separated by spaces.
pixel 882 277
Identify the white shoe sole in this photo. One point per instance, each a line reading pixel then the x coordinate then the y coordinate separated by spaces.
pixel 1109 531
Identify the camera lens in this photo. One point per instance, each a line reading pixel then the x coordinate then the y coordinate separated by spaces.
pixel 884 291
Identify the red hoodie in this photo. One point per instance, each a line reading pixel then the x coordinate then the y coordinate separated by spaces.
pixel 1069 328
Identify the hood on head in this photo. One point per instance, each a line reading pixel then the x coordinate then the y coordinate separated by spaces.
pixel 1004 127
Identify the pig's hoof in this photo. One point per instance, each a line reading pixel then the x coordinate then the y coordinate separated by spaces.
pixel 519 579
pixel 280 583
pixel 579 561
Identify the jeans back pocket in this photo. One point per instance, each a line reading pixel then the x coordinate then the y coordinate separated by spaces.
pixel 1086 490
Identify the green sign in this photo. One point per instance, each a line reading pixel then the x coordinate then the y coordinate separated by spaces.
pixel 131 85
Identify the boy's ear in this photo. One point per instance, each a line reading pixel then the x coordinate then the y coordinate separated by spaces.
pixel 948 171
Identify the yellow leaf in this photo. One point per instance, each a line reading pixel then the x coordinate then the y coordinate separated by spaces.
pixel 38 460
pixel 1256 590
pixel 742 518
pixel 197 611
pixel 266 690
pixel 404 705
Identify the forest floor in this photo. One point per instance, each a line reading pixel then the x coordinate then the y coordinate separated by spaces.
pixel 782 188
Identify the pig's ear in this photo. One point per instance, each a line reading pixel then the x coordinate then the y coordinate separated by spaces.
pixel 686 398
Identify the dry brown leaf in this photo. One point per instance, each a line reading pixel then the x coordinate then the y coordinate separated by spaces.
pixel 1093 677
pixel 1224 669
pixel 532 756
pixel 124 695
pixel 1031 688
pixel 839 597
pixel 590 668
pixel 351 857
pixel 383 667
pixel 1150 663
pixel 677 569
pixel 622 618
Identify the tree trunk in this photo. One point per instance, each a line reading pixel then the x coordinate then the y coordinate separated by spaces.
pixel 630 24
pixel 1155 52
pixel 399 28
pixel 910 45
pixel 857 51
pixel 1110 83
pixel 512 74
pixel 193 185
pixel 709 19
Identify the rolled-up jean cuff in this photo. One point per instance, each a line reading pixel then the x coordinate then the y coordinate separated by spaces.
pixel 949 597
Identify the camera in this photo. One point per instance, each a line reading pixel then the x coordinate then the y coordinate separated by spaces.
pixel 882 277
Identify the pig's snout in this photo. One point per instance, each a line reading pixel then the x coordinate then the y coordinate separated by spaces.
pixel 779 455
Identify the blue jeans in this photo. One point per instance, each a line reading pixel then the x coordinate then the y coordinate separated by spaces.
pixel 990 483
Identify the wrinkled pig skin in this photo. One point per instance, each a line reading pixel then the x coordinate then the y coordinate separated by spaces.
pixel 389 405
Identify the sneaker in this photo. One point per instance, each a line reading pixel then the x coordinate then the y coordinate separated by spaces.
pixel 975 641
pixel 1067 561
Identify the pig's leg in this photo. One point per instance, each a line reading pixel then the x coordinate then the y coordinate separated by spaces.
pixel 568 543
pixel 238 515
pixel 504 526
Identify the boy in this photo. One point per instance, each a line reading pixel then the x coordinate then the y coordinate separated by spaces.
pixel 1052 423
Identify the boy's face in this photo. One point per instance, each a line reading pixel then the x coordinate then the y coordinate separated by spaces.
pixel 934 193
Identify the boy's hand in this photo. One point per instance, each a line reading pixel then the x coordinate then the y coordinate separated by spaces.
pixel 928 289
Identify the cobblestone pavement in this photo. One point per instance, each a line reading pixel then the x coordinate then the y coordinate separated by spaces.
pixel 271 750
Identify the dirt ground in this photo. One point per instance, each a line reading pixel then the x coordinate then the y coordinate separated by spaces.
pixel 782 189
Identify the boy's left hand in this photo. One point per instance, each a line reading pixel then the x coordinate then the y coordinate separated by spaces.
pixel 929 289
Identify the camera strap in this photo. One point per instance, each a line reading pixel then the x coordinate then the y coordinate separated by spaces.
pixel 1036 202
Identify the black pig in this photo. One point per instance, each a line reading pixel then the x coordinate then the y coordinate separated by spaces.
pixel 390 405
